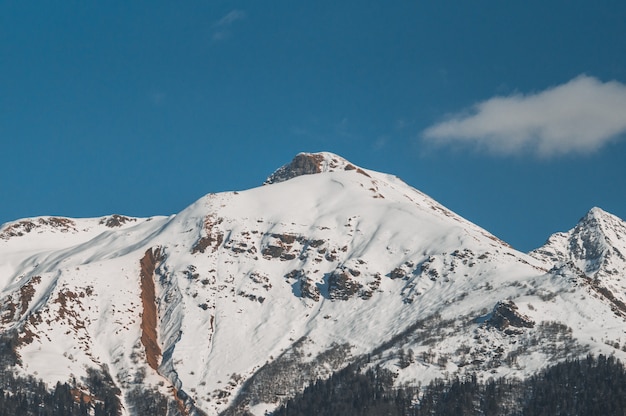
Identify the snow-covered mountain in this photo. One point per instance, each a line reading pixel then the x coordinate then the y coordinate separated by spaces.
pixel 595 251
pixel 596 246
pixel 242 299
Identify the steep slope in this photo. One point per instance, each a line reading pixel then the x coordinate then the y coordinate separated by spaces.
pixel 595 251
pixel 243 298
pixel 596 245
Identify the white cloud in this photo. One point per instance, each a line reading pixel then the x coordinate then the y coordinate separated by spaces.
pixel 577 117
pixel 221 28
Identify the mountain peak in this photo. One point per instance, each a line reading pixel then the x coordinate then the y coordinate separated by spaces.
pixel 602 223
pixel 309 164
pixel 596 213
pixel 243 298
pixel 595 245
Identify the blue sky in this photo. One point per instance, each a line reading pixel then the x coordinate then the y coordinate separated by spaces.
pixel 510 113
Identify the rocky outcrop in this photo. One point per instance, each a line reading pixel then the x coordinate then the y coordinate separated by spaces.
pixel 342 286
pixel 505 317
pixel 307 288
pixel 302 164
pixel 19 229
pixel 149 338
pixel 213 237
pixel 116 220
pixel 310 164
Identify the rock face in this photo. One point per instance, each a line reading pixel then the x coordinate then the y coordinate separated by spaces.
pixel 20 228
pixel 594 249
pixel 237 302
pixel 149 263
pixel 309 164
pixel 506 316
pixel 596 245
pixel 302 164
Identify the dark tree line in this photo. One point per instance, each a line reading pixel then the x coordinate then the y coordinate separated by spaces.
pixel 95 395
pixel 28 396
pixel 350 392
pixel 33 398
pixel 589 386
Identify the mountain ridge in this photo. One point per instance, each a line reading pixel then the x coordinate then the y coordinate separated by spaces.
pixel 242 298
pixel 589 243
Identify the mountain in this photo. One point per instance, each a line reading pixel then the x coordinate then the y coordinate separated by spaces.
pixel 239 301
pixel 596 246
pixel 595 251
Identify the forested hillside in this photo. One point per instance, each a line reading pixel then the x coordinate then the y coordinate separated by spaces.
pixel 591 386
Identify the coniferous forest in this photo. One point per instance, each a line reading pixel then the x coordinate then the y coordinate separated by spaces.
pixel 29 396
pixel 589 386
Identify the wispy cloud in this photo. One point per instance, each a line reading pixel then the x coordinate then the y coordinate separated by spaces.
pixel 222 27
pixel 579 116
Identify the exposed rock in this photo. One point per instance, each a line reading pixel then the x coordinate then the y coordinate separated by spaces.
pixel 214 238
pixel 310 164
pixel 116 220
pixel 23 227
pixel 595 245
pixel 341 286
pixel 315 243
pixel 149 263
pixel 397 273
pixel 302 164
pixel 9 304
pixel 308 289
pixel 272 251
pixel 505 315
pixel 286 238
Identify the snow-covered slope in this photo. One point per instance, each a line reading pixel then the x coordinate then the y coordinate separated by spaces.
pixel 596 246
pixel 243 298
pixel 594 250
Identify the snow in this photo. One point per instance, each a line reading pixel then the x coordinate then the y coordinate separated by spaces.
pixel 427 275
